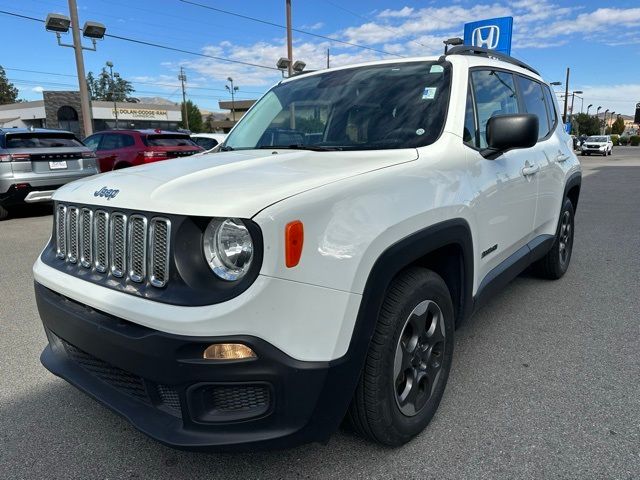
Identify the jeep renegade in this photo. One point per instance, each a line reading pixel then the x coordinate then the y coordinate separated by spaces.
pixel 317 266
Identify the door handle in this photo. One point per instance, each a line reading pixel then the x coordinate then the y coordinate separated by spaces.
pixel 561 157
pixel 530 170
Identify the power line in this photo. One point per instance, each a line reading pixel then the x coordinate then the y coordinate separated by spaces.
pixel 156 45
pixel 297 30
pixel 137 82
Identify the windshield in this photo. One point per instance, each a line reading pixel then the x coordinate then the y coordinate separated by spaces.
pixel 42 140
pixel 169 141
pixel 400 105
pixel 597 139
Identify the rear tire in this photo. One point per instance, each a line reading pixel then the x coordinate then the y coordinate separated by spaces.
pixel 4 213
pixel 408 361
pixel 556 262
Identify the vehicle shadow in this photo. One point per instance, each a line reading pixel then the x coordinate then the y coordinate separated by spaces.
pixel 27 211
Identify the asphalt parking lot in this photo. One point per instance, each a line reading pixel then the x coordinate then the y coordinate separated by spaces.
pixel 545 381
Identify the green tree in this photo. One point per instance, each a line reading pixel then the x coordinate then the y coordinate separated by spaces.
pixel 8 92
pixel 194 116
pixel 618 126
pixel 104 88
pixel 587 124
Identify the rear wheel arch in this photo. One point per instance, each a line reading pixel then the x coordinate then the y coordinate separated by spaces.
pixel 572 189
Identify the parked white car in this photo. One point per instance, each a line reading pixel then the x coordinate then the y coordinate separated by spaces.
pixel 598 145
pixel 318 265
pixel 208 141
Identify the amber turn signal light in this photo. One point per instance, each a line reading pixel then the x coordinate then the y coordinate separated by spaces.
pixel 293 241
pixel 228 351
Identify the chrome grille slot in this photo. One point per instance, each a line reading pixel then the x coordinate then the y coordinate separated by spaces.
pixel 86 237
pixel 128 247
pixel 137 248
pixel 72 234
pixel 159 236
pixel 118 241
pixel 61 231
pixel 100 246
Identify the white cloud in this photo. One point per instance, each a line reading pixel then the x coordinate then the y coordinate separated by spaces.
pixel 313 26
pixel 403 12
pixel 37 89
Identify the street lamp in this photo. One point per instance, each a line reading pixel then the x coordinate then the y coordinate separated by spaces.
pixel 283 64
pixel 59 24
pixel 588 107
pixel 113 89
pixel 232 90
pixel 556 83
pixel 604 123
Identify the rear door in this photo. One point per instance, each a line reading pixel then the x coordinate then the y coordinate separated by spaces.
pixel 537 99
pixel 506 190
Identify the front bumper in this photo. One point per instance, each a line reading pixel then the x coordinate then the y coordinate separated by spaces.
pixel 160 383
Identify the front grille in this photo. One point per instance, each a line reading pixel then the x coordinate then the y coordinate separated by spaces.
pixel 125 247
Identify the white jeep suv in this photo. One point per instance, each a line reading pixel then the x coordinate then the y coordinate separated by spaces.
pixel 316 267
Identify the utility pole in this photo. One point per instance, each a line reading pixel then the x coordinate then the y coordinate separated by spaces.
pixel 183 78
pixel 328 66
pixel 289 38
pixel 566 98
pixel 85 105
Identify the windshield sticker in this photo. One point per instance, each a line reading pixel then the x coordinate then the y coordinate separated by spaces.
pixel 429 93
pixel 436 69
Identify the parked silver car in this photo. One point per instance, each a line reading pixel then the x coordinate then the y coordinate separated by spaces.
pixel 35 162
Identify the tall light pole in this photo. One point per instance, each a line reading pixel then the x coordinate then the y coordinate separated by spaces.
pixel 573 95
pixel 113 76
pixel 233 91
pixel 93 30
pixel 588 107
pixel 289 37
pixel 566 98
pixel 604 123
pixel 183 78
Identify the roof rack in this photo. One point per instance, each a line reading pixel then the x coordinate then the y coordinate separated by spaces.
pixel 485 52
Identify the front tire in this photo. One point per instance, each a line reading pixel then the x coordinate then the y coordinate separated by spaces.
pixel 556 262
pixel 408 361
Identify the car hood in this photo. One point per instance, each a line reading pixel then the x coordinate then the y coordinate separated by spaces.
pixel 226 184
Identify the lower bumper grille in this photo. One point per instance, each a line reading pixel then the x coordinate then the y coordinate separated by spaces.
pixel 128 383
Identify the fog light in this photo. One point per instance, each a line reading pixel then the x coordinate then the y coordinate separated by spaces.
pixel 228 351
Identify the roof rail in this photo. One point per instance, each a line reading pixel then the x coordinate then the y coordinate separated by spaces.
pixel 485 52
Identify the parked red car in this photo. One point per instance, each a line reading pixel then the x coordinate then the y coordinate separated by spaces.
pixel 126 148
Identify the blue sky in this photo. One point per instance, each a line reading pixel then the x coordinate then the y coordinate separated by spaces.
pixel 601 44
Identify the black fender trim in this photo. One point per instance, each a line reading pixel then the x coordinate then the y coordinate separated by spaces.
pixel 345 372
pixel 575 180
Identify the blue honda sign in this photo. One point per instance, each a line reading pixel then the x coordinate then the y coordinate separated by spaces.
pixel 494 34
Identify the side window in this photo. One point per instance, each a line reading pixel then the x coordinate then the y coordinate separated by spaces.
pixel 111 142
pixel 533 101
pixel 495 94
pixel 468 135
pixel 553 113
pixel 126 140
pixel 92 142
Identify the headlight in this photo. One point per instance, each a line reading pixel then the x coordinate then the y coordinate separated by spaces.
pixel 228 248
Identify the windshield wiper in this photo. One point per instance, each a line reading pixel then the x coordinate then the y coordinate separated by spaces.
pixel 314 148
pixel 224 148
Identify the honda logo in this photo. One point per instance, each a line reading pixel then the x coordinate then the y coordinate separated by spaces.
pixel 486 36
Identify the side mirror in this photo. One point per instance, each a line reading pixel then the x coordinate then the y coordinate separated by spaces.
pixel 507 132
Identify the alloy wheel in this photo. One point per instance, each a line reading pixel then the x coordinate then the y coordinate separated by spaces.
pixel 565 237
pixel 419 357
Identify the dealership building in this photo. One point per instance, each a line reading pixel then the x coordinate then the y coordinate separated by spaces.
pixel 59 109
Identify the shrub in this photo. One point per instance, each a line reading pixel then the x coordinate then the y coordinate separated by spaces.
pixel 634 140
pixel 623 140
pixel 616 140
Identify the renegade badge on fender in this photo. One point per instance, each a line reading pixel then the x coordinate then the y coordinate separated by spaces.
pixel 317 266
